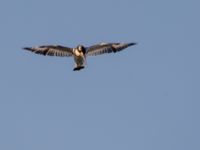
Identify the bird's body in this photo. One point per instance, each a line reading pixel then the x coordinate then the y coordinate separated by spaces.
pixel 80 52
pixel 79 58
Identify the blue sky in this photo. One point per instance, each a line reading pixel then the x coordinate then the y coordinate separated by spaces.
pixel 146 97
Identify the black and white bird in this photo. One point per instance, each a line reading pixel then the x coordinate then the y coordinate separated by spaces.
pixel 80 52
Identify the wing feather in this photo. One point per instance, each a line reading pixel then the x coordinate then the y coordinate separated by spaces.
pixel 51 50
pixel 107 48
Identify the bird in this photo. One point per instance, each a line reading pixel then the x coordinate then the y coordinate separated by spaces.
pixel 80 52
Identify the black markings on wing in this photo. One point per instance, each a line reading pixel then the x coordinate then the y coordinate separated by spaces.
pixel 51 50
pixel 107 48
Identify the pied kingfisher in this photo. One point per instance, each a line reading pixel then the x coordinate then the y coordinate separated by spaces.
pixel 80 52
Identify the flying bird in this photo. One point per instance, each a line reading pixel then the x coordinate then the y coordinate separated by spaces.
pixel 80 52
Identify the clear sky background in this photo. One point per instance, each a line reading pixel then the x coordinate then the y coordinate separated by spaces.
pixel 144 98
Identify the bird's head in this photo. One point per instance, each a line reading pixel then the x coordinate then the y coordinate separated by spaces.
pixel 81 48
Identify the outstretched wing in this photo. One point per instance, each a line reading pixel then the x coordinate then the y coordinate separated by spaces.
pixel 51 50
pixel 107 48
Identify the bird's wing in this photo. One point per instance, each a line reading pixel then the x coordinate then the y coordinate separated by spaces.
pixel 107 48
pixel 51 50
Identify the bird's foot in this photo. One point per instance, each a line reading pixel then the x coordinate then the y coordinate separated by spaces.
pixel 78 68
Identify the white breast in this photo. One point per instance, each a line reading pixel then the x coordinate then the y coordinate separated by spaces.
pixel 77 53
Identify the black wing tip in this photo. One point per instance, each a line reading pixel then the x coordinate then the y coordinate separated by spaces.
pixel 26 48
pixel 130 44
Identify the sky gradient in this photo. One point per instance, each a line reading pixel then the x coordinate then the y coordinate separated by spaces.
pixel 146 97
